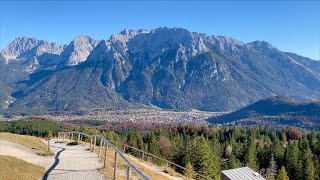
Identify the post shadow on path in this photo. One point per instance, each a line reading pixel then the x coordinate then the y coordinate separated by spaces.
pixel 56 162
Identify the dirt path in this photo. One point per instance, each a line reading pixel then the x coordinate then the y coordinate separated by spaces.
pixel 70 162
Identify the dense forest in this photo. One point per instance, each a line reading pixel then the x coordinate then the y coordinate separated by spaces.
pixel 275 153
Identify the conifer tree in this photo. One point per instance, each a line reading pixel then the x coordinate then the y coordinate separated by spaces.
pixel 251 156
pixel 233 162
pixel 189 172
pixel 292 160
pixel 271 172
pixel 308 170
pixel 282 175
pixel 205 163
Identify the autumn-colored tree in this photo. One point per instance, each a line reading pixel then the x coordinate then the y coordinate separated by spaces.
pixel 165 146
pixel 228 150
pixel 294 133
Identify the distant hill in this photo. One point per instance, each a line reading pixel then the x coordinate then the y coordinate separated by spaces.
pixel 170 68
pixel 275 110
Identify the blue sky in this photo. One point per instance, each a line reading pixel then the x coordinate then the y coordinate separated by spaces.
pixel 289 25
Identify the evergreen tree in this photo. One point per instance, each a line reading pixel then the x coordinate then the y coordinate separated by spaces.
pixel 278 151
pixel 189 172
pixel 233 162
pixel 308 170
pixel 292 160
pixel 271 172
pixel 282 175
pixel 251 156
pixel 205 163
pixel 216 167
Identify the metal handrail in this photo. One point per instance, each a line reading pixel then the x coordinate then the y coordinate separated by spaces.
pixel 160 158
pixel 130 165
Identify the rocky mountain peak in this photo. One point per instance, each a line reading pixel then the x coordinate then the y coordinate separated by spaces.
pixel 125 35
pixel 25 47
pixel 78 50
pixel 19 46
pixel 262 46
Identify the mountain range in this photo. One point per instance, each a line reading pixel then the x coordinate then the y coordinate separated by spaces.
pixel 170 68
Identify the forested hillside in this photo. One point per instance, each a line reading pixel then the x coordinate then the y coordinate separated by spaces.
pixel 208 150
pixel 274 111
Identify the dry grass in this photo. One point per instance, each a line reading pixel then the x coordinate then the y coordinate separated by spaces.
pixel 12 168
pixel 122 167
pixel 31 142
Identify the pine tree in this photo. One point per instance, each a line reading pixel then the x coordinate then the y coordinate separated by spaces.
pixel 189 172
pixel 272 169
pixel 233 162
pixel 282 175
pixel 205 163
pixel 216 167
pixel 309 170
pixel 251 156
pixel 278 151
pixel 292 160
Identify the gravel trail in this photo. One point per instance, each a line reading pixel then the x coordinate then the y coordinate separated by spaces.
pixel 72 162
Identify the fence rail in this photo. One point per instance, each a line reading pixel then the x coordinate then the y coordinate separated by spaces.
pixel 162 159
pixel 103 140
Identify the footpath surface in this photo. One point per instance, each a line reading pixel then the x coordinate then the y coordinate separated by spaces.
pixel 72 162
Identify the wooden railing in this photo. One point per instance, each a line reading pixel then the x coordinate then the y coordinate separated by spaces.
pixel 107 143
pixel 125 146
pixel 168 163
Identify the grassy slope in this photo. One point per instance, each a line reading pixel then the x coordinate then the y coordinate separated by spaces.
pixel 16 169
pixel 31 142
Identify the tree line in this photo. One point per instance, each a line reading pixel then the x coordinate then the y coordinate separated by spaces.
pixel 274 153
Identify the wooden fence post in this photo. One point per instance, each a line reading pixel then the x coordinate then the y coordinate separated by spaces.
pixel 100 148
pixel 78 138
pixel 64 136
pixel 48 144
pixel 167 167
pixel 90 142
pixel 115 165
pixel 58 136
pixel 128 173
pixel 105 156
pixel 71 138
pixel 94 143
